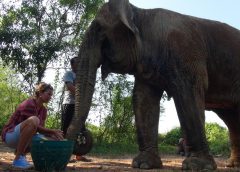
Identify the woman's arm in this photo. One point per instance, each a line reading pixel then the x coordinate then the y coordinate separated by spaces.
pixel 52 133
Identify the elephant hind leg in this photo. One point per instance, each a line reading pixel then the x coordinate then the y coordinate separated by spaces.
pixel 231 117
pixel 199 161
pixel 190 107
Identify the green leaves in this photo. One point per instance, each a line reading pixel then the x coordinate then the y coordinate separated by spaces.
pixel 10 94
pixel 70 3
pixel 39 33
pixel 114 104
pixel 217 137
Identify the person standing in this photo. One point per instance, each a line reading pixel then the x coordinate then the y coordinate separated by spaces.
pixel 68 106
pixel 28 120
pixel 69 96
pixel 182 147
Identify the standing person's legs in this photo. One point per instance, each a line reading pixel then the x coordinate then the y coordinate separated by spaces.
pixel 67 115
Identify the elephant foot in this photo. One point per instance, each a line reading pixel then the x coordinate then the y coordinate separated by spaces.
pixel 199 162
pixel 233 163
pixel 147 160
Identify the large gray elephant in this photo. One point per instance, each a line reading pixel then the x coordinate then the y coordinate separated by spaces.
pixel 196 61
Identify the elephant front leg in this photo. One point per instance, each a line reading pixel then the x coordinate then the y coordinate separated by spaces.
pixel 190 107
pixel 146 102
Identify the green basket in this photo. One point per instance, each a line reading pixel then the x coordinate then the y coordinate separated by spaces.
pixel 51 155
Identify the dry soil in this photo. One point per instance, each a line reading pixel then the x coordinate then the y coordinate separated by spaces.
pixel 171 163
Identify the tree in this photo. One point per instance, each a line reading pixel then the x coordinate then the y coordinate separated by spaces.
pixel 112 108
pixel 118 125
pixel 10 94
pixel 217 137
pixel 42 32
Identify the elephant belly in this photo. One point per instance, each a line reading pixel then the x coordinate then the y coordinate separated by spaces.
pixel 219 101
pixel 223 105
pixel 222 92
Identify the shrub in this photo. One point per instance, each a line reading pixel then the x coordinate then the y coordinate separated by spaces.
pixel 172 137
pixel 217 137
pixel 161 138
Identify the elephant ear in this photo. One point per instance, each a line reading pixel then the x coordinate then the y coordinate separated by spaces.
pixel 121 9
pixel 121 34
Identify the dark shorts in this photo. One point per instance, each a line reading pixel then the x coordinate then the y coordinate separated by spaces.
pixel 67 115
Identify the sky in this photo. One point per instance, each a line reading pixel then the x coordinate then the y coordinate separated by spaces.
pixel 221 10
pixel 226 11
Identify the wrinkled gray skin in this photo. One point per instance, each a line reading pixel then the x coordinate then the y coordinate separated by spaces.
pixel 196 61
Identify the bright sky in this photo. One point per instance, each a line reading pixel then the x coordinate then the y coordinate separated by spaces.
pixel 226 11
pixel 222 10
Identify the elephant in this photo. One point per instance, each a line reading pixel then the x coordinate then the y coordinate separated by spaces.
pixel 195 61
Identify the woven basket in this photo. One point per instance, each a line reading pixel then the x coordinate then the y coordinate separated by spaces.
pixel 51 155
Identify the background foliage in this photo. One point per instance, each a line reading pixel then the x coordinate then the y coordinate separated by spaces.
pixel 41 35
pixel 37 34
pixel 217 137
pixel 10 94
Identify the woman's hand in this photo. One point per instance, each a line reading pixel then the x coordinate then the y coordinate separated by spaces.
pixel 56 134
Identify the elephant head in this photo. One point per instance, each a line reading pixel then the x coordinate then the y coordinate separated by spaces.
pixel 100 48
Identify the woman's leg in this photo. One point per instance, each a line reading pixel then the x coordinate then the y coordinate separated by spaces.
pixel 13 137
pixel 28 129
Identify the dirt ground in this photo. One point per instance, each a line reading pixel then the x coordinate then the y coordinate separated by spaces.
pixel 171 163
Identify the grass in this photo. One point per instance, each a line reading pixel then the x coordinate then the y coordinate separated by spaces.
pixel 114 149
pixel 126 149
pixel 132 149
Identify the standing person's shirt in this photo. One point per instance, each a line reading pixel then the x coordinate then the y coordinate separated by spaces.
pixel 69 98
pixel 25 110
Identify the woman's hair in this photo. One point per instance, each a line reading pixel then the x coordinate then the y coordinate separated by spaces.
pixel 42 87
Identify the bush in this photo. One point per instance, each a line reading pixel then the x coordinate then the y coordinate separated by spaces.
pixel 53 120
pixel 217 137
pixel 161 137
pixel 166 149
pixel 172 137
pixel 112 149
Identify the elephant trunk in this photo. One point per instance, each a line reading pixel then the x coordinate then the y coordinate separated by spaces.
pixel 85 82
